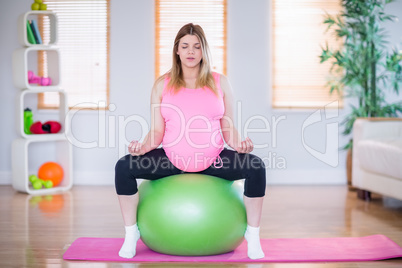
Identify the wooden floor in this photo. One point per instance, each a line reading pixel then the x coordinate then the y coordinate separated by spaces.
pixel 35 231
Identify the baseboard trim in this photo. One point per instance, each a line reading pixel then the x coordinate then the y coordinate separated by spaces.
pixel 93 178
pixel 306 177
pixel 274 177
pixel 5 178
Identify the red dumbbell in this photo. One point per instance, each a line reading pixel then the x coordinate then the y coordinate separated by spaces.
pixel 47 127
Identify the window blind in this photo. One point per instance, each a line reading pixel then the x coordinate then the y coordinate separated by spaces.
pixel 299 80
pixel 83 40
pixel 171 15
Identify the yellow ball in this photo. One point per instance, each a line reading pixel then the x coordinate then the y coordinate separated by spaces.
pixel 35 6
pixel 37 185
pixel 48 184
pixel 33 178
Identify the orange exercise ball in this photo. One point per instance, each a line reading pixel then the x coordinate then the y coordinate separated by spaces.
pixel 51 171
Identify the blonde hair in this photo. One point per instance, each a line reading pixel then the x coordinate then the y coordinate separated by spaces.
pixel 205 78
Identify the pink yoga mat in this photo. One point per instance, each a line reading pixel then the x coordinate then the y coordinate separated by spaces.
pixel 369 248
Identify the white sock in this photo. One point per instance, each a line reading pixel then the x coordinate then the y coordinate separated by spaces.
pixel 254 250
pixel 128 249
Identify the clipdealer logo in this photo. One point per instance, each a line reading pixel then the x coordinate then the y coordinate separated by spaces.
pixel 331 153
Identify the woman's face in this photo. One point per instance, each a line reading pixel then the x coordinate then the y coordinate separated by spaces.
pixel 190 51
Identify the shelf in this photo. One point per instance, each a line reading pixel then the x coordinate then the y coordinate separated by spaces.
pixel 63 110
pixel 28 150
pixel 46 137
pixel 20 165
pixel 26 59
pixel 51 32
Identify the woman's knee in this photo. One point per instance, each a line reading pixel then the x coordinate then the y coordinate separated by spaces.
pixel 125 182
pixel 256 163
pixel 121 163
pixel 256 178
pixel 122 166
pixel 128 163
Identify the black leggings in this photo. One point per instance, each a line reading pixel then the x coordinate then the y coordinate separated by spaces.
pixel 155 165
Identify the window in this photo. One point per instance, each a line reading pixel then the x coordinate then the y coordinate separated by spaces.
pixel 299 80
pixel 171 15
pixel 83 40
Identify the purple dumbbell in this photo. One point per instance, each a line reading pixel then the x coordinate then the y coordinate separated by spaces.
pixel 43 81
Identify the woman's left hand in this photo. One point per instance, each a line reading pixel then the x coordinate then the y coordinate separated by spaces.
pixel 245 146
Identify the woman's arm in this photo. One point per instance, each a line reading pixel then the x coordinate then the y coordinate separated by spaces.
pixel 154 137
pixel 229 132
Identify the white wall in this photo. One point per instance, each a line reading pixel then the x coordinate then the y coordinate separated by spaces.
pixel 131 79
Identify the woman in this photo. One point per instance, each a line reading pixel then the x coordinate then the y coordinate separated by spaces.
pixel 191 106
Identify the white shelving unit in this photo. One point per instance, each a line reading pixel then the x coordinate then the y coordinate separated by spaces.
pixel 25 59
pixel 22 30
pixel 62 114
pixel 20 164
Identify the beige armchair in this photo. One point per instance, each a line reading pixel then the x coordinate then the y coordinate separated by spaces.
pixel 377 157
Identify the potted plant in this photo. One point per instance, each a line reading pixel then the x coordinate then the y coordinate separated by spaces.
pixel 362 68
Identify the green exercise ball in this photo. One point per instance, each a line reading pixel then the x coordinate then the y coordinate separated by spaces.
pixel 191 215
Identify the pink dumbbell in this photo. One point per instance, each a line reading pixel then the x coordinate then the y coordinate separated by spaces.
pixel 43 81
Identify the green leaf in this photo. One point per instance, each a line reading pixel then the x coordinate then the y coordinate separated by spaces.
pixel 363 54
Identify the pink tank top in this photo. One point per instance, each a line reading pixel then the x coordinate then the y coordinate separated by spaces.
pixel 192 139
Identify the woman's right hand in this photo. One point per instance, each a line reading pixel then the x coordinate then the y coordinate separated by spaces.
pixel 135 148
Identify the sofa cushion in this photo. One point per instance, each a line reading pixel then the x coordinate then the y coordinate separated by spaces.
pixel 381 156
